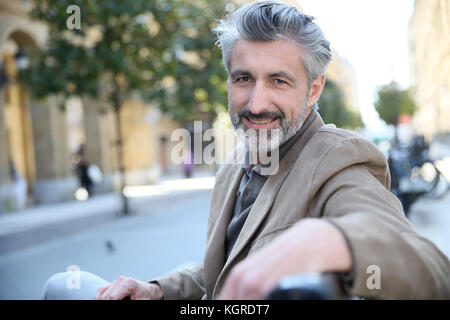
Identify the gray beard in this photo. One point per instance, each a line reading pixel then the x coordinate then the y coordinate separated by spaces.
pixel 266 140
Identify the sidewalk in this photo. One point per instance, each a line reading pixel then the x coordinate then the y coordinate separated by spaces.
pixel 431 219
pixel 34 225
pixel 41 223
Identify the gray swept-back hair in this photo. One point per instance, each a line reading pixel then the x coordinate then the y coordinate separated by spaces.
pixel 266 21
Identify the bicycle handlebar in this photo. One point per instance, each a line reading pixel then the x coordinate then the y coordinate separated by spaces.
pixel 316 286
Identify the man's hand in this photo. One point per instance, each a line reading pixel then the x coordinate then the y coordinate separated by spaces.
pixel 311 245
pixel 129 287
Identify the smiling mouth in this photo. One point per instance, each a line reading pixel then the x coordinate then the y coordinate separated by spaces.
pixel 261 121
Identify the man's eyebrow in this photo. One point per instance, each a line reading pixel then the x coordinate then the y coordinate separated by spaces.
pixel 282 74
pixel 240 72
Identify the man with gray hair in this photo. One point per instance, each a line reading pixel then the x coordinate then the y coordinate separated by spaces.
pixel 326 208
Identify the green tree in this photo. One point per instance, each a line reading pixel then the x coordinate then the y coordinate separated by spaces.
pixel 162 49
pixel 333 109
pixel 392 101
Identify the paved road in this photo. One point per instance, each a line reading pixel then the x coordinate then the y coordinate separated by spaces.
pixel 160 238
pixel 431 218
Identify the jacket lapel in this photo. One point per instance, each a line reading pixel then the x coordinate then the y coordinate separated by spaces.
pixel 264 201
pixel 215 252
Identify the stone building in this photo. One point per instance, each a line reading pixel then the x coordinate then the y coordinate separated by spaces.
pixel 430 52
pixel 342 73
pixel 38 139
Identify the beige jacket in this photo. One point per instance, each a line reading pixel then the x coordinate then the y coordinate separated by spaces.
pixel 332 174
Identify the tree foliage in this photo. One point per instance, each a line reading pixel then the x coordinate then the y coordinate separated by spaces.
pixel 332 108
pixel 392 101
pixel 163 49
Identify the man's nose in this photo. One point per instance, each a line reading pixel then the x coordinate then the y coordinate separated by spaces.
pixel 259 99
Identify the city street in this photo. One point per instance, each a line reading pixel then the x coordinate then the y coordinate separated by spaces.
pixel 115 117
pixel 431 218
pixel 160 236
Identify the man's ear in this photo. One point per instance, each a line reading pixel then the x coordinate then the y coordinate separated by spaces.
pixel 315 90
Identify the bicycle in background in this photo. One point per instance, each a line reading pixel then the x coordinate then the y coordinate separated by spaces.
pixel 414 174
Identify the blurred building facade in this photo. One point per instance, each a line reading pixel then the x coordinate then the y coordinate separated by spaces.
pixel 38 139
pixel 341 72
pixel 430 65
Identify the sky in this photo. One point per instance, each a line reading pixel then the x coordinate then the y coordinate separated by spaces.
pixel 373 36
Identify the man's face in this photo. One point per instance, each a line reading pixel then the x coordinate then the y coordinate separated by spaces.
pixel 267 88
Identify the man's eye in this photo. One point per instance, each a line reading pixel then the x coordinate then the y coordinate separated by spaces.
pixel 279 81
pixel 243 79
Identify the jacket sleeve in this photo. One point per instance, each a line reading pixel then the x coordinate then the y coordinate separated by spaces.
pixel 356 199
pixel 188 284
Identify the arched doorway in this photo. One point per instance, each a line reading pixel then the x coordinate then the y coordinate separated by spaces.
pixel 17 162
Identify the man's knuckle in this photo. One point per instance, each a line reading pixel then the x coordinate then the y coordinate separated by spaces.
pixel 252 283
pixel 103 297
pixel 249 282
pixel 235 276
pixel 129 285
pixel 240 272
pixel 128 288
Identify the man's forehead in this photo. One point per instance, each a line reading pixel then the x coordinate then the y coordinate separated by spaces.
pixel 270 56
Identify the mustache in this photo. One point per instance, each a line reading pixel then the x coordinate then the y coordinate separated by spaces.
pixel 266 114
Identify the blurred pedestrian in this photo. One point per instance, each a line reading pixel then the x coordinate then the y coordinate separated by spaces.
pixel 20 186
pixel 188 164
pixel 82 170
